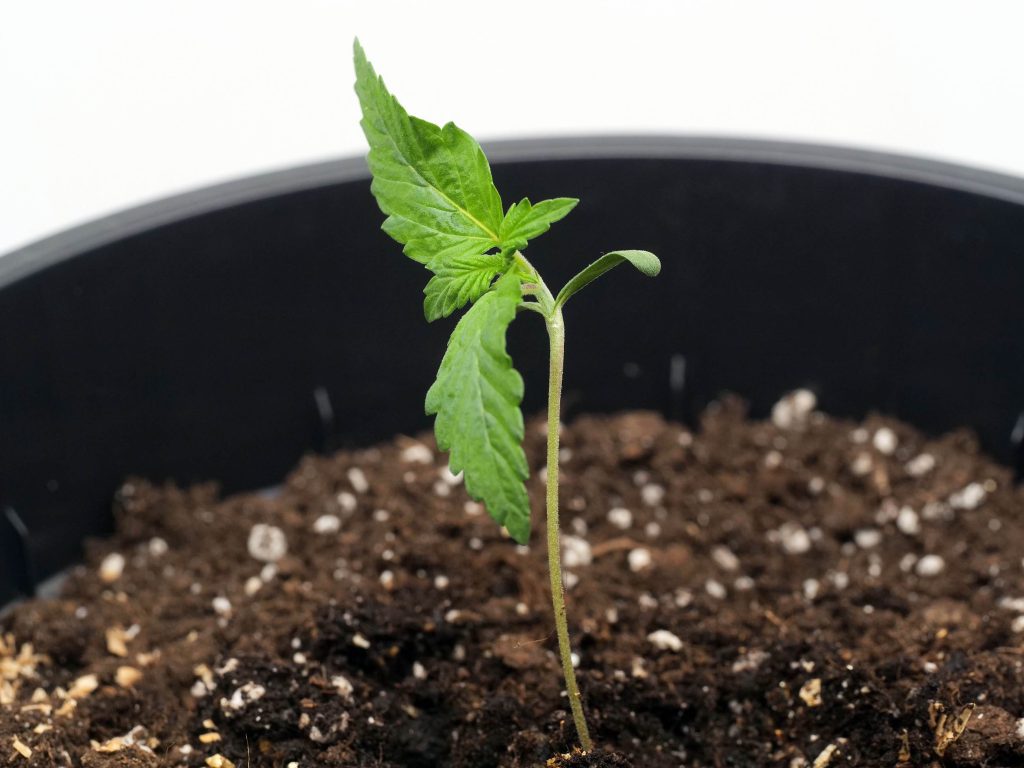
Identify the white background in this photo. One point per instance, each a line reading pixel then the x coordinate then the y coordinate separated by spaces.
pixel 111 103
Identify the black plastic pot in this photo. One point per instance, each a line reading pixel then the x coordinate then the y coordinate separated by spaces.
pixel 222 333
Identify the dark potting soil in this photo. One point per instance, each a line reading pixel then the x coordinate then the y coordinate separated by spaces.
pixel 820 593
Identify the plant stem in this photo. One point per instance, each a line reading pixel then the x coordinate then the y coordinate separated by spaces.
pixel 556 336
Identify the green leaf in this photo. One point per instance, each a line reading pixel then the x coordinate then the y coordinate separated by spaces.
pixel 460 280
pixel 645 261
pixel 433 183
pixel 524 221
pixel 476 398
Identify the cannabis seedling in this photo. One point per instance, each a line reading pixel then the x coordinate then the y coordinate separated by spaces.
pixel 435 186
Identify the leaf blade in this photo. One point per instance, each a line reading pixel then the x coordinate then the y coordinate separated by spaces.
pixel 476 400
pixel 524 221
pixel 458 281
pixel 434 183
pixel 645 261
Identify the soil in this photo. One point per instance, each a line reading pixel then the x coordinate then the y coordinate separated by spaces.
pixel 797 592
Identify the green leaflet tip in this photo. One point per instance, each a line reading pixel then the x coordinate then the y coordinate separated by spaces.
pixel 647 263
pixel 520 533
pixel 365 73
pixel 644 261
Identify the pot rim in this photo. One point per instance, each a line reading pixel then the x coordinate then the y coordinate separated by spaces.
pixel 78 240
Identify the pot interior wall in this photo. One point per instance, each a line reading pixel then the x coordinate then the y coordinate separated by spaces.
pixel 221 345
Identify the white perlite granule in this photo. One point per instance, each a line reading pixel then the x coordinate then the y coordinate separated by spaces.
pixel 347 502
pixel 724 558
pixel 327 524
pixel 868 538
pixel 267 543
pixel 970 497
pixel 620 517
pixel 1012 603
pixel 449 478
pixel 749 661
pixel 792 410
pixel 664 640
pixel 930 565
pixel 639 559
pixel 885 441
pixel 357 478
pixel 157 546
pixel 793 537
pixel 908 522
pixel 652 494
pixel 342 685
pixel 839 579
pixel 243 695
pixel 715 588
pixel 417 453
pixel 222 606
pixel 112 567
pixel 920 465
pixel 575 552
